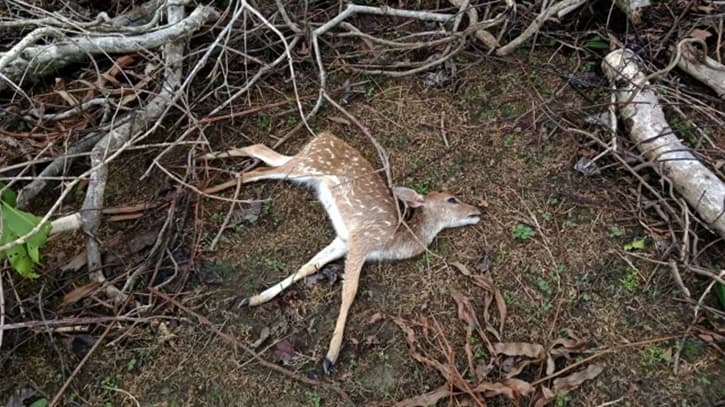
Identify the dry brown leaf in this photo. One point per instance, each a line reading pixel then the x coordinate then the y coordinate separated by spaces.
pixel 565 346
pixel 426 399
pixel 79 293
pixel 465 309
pixel 511 388
pixel 543 397
pixel 495 389
pixel 462 268
pixel 512 369
pixel 521 387
pixel 700 34
pixel 530 350
pixel 566 384
pixel 338 120
pixel 501 306
pixel 485 281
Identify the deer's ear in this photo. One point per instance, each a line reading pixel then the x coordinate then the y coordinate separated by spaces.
pixel 409 196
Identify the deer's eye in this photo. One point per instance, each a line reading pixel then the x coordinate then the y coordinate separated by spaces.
pixel 452 200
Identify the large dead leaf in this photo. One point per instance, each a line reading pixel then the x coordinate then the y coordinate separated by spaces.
pixel 426 399
pixel 510 388
pixel 485 281
pixel 530 350
pixel 465 309
pixel 566 384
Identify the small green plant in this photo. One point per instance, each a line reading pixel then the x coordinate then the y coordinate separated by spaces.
pixel 273 263
pixel 290 119
pixel 562 400
pixel 422 188
pixel 547 216
pixel 218 217
pixel 616 231
pixel 16 223
pixel 424 262
pixel 523 232
pixel 588 66
pixel 653 355
pixel 635 244
pixel 369 91
pixel 568 223
pixel 630 281
pixel 543 286
pixel 507 109
pixel 478 350
pixel 263 122
pixel 691 350
pixel 315 399
pixel 131 364
pixel 39 403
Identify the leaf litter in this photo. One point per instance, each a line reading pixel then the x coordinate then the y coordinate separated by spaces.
pixel 501 372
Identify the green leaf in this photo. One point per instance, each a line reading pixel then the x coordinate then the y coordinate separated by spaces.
pixel 8 195
pixel 720 292
pixel 17 223
pixel 40 403
pixel 596 42
pixel 635 244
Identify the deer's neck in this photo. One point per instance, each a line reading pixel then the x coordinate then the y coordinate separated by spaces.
pixel 413 237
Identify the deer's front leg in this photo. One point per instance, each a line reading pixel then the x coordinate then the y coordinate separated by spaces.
pixel 351 278
pixel 332 252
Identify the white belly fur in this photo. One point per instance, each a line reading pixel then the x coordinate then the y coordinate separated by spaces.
pixel 324 194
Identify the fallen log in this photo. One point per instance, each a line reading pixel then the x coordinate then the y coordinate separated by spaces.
pixel 644 118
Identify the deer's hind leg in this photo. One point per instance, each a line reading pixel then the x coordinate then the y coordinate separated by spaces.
pixel 333 251
pixel 258 151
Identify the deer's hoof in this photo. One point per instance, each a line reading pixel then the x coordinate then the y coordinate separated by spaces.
pixel 327 366
pixel 244 303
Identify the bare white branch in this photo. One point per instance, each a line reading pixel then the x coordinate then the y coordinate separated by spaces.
pixel 649 129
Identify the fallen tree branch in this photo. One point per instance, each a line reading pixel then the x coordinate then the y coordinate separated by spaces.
pixel 533 28
pixel 643 116
pixel 94 200
pixel 704 69
pixel 36 61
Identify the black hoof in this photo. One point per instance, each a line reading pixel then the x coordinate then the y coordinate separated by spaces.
pixel 327 366
pixel 244 303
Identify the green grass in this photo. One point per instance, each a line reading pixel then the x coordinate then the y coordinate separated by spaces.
pixel 523 232
pixel 630 281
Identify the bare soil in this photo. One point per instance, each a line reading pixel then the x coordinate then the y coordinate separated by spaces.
pixel 487 138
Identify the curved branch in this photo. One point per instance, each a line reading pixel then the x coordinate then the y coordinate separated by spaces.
pixel 36 61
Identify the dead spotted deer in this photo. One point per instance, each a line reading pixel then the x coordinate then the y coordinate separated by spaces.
pixel 363 211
